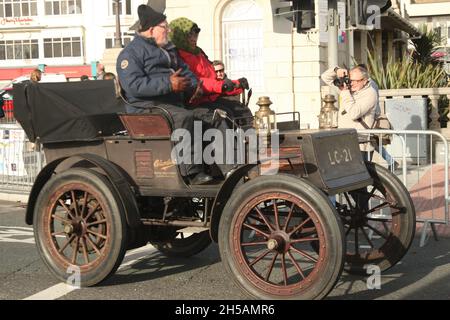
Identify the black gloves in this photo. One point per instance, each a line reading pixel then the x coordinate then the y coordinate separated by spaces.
pixel 243 83
pixel 227 85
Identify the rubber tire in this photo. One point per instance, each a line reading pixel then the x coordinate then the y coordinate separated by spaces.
pixel 307 192
pixel 392 183
pixel 118 227
pixel 184 248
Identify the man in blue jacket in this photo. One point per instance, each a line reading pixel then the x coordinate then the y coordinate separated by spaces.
pixel 153 76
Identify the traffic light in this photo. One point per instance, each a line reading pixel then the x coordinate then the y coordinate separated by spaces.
pixel 304 19
pixel 300 12
pixel 365 14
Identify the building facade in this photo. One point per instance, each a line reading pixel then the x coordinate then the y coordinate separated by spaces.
pixel 255 42
pixel 247 35
pixel 58 33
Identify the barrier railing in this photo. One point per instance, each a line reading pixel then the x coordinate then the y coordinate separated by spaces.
pixel 20 163
pixel 420 159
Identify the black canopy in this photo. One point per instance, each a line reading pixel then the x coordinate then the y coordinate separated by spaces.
pixel 71 111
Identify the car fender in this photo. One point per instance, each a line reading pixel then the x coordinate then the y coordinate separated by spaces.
pixel 111 171
pixel 223 195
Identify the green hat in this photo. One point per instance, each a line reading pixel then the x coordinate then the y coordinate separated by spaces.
pixel 180 30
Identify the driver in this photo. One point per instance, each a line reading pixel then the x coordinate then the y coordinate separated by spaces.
pixel 152 76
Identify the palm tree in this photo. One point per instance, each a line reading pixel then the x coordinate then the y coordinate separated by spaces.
pixel 425 47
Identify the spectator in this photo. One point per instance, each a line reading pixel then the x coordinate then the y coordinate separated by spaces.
pixel 109 76
pixel 392 164
pixel 84 78
pixel 358 103
pixel 100 71
pixel 36 76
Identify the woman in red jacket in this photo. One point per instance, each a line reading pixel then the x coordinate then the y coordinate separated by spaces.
pixel 216 93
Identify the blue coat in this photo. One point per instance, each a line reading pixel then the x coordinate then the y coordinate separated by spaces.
pixel 144 69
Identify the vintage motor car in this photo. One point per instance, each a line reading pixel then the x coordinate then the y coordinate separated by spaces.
pixel 109 185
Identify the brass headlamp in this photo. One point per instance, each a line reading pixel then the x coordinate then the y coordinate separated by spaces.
pixel 328 117
pixel 265 120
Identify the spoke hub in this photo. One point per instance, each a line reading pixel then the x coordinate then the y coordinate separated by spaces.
pixel 77 227
pixel 279 242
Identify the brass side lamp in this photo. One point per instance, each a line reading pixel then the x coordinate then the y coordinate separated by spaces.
pixel 328 117
pixel 265 120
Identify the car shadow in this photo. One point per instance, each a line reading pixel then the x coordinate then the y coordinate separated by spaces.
pixel 424 273
pixel 156 265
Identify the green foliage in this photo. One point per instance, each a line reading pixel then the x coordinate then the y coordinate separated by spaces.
pixel 406 74
pixel 426 46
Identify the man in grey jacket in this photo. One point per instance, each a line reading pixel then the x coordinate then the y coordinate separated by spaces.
pixel 357 103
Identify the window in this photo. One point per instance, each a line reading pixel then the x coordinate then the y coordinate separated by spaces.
pixel 62 47
pixel 63 7
pixel 124 6
pixel 18 8
pixel 110 41
pixel 19 49
pixel 242 36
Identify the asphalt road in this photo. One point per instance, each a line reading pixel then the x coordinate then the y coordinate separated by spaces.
pixel 146 274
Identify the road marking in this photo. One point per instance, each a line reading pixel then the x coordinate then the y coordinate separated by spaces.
pixel 16 235
pixel 62 289
pixel 52 293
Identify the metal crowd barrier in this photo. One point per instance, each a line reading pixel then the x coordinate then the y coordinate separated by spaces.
pixel 20 163
pixel 422 159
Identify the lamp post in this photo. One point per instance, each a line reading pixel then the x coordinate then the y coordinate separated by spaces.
pixel 118 38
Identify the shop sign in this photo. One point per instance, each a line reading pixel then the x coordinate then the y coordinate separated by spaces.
pixel 17 22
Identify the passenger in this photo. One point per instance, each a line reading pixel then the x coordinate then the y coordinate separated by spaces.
pixel 153 77
pixel 219 69
pixel 184 34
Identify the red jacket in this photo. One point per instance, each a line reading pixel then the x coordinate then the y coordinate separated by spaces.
pixel 204 70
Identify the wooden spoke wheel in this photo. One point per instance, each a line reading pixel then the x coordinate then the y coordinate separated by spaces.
pixel 183 243
pixel 379 222
pixel 79 224
pixel 266 234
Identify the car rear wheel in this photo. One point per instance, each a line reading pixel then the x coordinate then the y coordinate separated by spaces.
pixel 80 227
pixel 379 222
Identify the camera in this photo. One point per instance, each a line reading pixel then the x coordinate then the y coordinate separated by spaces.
pixel 344 81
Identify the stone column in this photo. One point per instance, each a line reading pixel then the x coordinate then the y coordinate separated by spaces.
pixel 435 124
